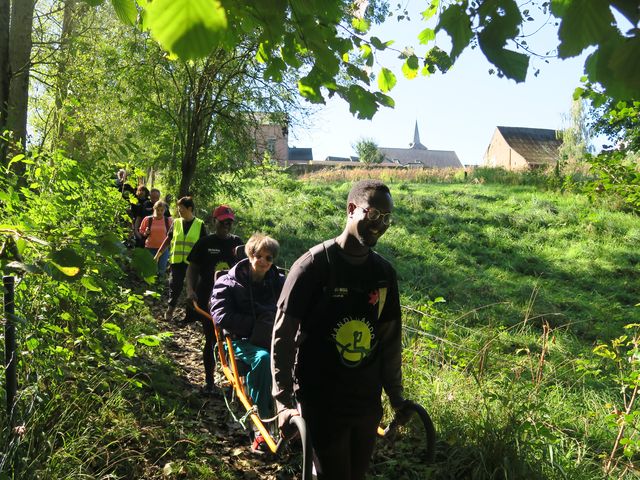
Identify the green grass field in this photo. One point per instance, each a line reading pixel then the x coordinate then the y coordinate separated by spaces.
pixel 519 307
pixel 506 291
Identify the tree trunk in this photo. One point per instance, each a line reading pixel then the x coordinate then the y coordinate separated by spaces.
pixel 19 68
pixel 62 81
pixel 4 61
pixel 189 162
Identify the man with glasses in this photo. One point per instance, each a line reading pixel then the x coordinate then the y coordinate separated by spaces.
pixel 338 330
pixel 210 254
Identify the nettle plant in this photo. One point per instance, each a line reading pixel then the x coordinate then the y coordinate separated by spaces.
pixel 61 235
pixel 620 363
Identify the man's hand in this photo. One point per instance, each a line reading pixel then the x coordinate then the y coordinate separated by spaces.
pixel 403 412
pixel 287 430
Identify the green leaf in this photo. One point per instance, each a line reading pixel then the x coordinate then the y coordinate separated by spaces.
pixel 361 25
pixel 614 65
pixel 262 56
pixel 385 100
pixel 32 344
pixel 584 23
pixel 149 340
pixel 143 263
pixel 513 64
pixel 310 92
pixel 111 244
pixel 111 328
pixel 67 262
pixel 431 10
pixel 410 67
pixel 427 35
pixel 379 45
pixel 17 158
pixel 629 8
pixel 125 10
pixel 367 54
pixel 129 349
pixel 361 102
pixel 188 28
pixel 89 284
pixel 386 80
pixel 93 3
pixel 455 21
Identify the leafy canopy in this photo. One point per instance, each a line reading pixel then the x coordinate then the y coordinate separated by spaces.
pixel 327 42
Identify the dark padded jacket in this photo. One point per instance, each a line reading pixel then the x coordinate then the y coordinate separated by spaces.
pixel 236 301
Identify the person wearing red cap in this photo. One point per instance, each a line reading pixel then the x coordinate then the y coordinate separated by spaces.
pixel 210 254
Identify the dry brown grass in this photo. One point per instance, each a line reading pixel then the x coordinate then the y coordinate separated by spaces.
pixel 422 175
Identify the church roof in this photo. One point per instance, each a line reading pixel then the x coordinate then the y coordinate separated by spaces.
pixel 419 155
pixel 426 158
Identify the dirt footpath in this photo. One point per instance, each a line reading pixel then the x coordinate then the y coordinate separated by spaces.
pixel 231 443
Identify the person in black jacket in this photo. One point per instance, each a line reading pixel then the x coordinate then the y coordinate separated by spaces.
pixel 338 329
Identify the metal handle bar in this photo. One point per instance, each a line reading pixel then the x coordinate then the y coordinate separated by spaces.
pixel 307 457
pixel 429 429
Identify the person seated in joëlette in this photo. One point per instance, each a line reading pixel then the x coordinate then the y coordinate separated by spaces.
pixel 243 303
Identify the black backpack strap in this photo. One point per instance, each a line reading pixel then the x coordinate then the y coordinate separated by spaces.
pixel 166 224
pixel 150 217
pixel 322 260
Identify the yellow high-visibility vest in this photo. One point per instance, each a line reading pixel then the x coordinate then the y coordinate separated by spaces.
pixel 182 244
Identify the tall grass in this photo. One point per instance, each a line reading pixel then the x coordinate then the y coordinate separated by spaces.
pixel 532 280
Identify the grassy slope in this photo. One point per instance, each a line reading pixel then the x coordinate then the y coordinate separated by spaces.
pixel 510 398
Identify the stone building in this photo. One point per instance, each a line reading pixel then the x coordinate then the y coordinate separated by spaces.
pixel 273 138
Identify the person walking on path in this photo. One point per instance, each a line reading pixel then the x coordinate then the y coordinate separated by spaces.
pixel 154 228
pixel 182 236
pixel 337 339
pixel 210 254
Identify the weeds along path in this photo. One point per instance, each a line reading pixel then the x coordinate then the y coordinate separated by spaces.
pixel 224 438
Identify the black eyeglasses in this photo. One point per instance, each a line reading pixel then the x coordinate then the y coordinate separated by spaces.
pixel 374 214
pixel 268 258
pixel 227 223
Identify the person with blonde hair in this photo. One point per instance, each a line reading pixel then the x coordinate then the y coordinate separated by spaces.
pixel 154 229
pixel 243 303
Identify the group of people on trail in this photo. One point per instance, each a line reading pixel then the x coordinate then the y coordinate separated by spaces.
pixel 323 343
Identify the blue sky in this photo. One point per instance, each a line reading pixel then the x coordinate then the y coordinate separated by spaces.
pixel 455 111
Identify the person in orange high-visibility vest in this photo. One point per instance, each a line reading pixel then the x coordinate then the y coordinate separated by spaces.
pixel 182 236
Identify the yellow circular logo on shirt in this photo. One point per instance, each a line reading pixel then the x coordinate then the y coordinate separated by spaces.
pixel 353 340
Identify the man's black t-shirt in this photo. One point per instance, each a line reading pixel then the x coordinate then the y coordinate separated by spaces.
pixel 341 308
pixel 210 254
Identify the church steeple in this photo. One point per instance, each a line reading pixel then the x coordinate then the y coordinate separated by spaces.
pixel 416 139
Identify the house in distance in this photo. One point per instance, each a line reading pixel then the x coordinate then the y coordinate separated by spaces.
pixel 519 148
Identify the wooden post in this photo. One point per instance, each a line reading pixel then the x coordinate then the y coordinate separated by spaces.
pixel 10 345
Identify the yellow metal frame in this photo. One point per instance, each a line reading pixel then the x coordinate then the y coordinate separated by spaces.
pixel 230 369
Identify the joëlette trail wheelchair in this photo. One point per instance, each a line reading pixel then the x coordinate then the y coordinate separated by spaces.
pixel 235 370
